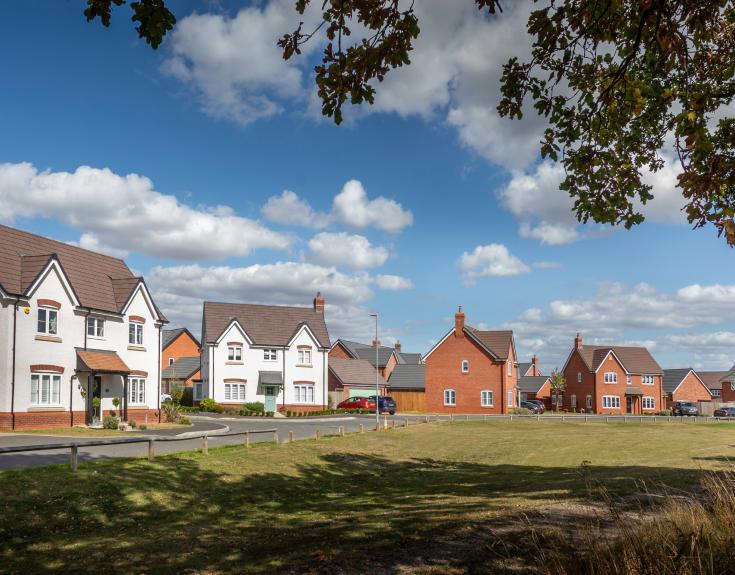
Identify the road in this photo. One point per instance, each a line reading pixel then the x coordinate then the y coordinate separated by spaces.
pixel 301 428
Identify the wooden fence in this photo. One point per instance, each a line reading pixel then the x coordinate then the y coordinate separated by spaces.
pixel 409 400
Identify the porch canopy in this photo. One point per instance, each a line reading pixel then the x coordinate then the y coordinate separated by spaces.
pixel 633 391
pixel 101 362
pixel 270 378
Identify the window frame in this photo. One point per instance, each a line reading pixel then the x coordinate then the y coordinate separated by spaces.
pixel 651 401
pixel 308 393
pixel 716 392
pixel 198 387
pixel 234 353
pixel 613 378
pixel 573 400
pixel 237 391
pixel 301 355
pixel 579 377
pixel 135 333
pixel 452 394
pixel 510 368
pixel 136 390
pixel 270 354
pixel 465 366
pixel 647 379
pixel 484 394
pixel 588 401
pixel 96 323
pixel 47 320
pixel 52 378
pixel 510 398
pixel 614 404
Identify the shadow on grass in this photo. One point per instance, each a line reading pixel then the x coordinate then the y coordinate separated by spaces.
pixel 341 513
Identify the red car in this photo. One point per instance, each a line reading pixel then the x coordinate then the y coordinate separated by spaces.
pixel 357 403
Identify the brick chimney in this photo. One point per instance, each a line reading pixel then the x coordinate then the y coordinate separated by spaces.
pixel 398 345
pixel 376 343
pixel 319 302
pixel 578 342
pixel 534 363
pixel 459 323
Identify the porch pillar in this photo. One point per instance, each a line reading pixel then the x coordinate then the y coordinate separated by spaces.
pixel 88 400
pixel 125 397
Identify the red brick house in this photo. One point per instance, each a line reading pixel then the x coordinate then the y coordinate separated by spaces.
pixel 713 381
pixel 727 386
pixel 387 357
pixel 352 378
pixel 471 371
pixel 180 359
pixel 684 385
pixel 612 380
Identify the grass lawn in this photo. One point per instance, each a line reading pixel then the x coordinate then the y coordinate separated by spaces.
pixel 434 498
pixel 72 431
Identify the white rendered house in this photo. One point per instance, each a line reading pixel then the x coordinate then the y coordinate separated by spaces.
pixel 277 355
pixel 74 325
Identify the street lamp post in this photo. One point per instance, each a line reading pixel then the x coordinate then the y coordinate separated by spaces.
pixel 377 387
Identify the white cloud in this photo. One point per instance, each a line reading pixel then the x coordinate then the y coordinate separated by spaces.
pixel 351 207
pixel 393 283
pixel 352 251
pixel 119 214
pixel 490 260
pixel 234 64
pixel 289 209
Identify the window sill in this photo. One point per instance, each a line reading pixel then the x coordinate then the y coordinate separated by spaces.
pixel 136 348
pixel 304 365
pixel 97 337
pixel 46 408
pixel 230 362
pixel 52 338
pixel 136 406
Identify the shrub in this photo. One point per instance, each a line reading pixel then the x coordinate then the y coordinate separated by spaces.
pixel 187 397
pixel 170 411
pixel 184 421
pixel 132 423
pixel 520 411
pixel 255 406
pixel 209 404
pixel 664 412
pixel 110 422
pixel 142 427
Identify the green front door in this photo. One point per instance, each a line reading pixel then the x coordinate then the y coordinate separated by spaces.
pixel 271 392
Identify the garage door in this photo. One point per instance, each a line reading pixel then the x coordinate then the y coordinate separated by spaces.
pixel 361 392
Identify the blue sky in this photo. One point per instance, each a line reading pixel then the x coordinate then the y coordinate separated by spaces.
pixel 213 125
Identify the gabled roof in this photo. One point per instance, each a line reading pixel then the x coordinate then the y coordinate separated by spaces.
pixel 354 372
pixel 524 367
pixel 673 378
pixel 101 361
pixel 182 368
pixel 636 360
pixel 532 383
pixel 409 358
pixel 368 353
pixel 99 281
pixel 168 336
pixel 408 376
pixel 264 324
pixel 498 342
pixel 729 376
pixel 712 379
pixel 365 351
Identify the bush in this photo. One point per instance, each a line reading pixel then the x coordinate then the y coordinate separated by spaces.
pixel 188 409
pixel 110 422
pixel 255 406
pixel 209 404
pixel 170 411
pixel 184 421
pixel 664 412
pixel 187 397
pixel 520 411
pixel 132 423
pixel 142 427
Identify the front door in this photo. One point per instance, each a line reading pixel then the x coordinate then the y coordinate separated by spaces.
pixel 629 404
pixel 271 392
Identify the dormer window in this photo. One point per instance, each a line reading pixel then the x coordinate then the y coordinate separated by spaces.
pixel 234 353
pixel 47 321
pixel 135 333
pixel 304 356
pixel 95 327
pixel 465 366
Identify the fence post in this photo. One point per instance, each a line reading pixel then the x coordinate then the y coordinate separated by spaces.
pixel 466 417
pixel 585 419
pixel 538 418
pixel 205 445
pixel 290 436
pixel 451 417
pixel 341 430
pixel 393 424
pixel 74 457
pixel 275 437
pixel 625 419
pixel 246 439
pixel 563 417
pixel 607 419
pixel 318 434
pixel 511 417
pixel 427 419
pixel 362 428
pixel 151 451
pixel 405 423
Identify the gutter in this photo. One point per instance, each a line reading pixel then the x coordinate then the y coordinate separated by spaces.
pixel 503 399
pixel 12 375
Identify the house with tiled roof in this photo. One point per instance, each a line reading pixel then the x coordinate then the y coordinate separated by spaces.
pixel 74 325
pixel 180 350
pixel 684 384
pixel 471 371
pixel 612 379
pixel 353 378
pixel 384 357
pixel 726 385
pixel 268 353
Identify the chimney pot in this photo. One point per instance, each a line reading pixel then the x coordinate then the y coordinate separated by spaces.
pixel 319 302
pixel 376 343
pixel 398 345
pixel 459 323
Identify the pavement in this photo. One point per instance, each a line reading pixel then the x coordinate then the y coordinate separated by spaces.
pixel 212 425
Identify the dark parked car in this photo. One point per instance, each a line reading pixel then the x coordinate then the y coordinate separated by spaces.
pixel 532 406
pixel 685 408
pixel 724 412
pixel 357 403
pixel 386 403
pixel 538 402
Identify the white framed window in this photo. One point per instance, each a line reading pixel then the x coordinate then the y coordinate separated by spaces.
pixel 48 321
pixel 628 380
pixel 304 356
pixel 136 390
pixel 234 353
pixel 465 366
pixel 579 377
pixel 170 361
pixel 649 402
pixel 45 389
pixel 589 402
pixel 450 397
pixel 234 392
pixel 647 379
pixel 95 327
pixel 198 391
pixel 611 402
pixel 611 377
pixel 135 333
pixel 573 400
pixel 303 393
pixel 510 399
pixel 486 398
pixel 715 392
pixel 732 386
pixel 510 367
pixel 270 354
